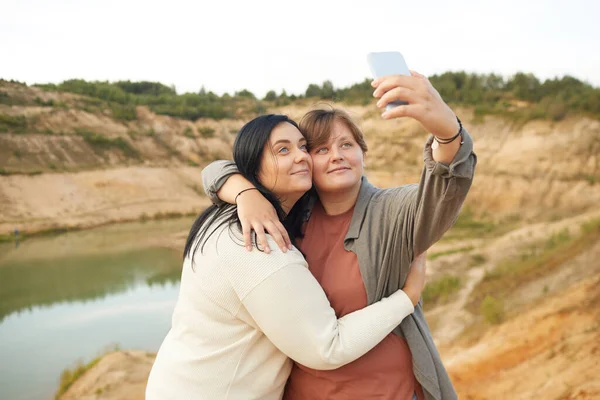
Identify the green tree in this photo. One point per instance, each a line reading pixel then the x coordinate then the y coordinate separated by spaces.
pixel 270 96
pixel 525 86
pixel 327 90
pixel 245 94
pixel 313 91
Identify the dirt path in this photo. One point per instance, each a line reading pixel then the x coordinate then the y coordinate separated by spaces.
pixel 452 318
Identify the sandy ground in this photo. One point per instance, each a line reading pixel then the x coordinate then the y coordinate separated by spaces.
pixel 92 198
pixel 551 351
pixel 121 375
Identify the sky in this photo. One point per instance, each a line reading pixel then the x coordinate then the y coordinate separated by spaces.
pixel 262 45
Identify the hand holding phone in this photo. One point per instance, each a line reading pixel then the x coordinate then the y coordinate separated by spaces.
pixel 419 99
pixel 388 63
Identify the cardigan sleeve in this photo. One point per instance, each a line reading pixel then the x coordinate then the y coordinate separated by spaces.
pixel 427 210
pixel 214 176
pixel 441 193
pixel 292 310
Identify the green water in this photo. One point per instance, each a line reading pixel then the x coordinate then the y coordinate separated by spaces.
pixel 67 298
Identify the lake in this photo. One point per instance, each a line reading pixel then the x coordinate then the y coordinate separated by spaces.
pixel 68 298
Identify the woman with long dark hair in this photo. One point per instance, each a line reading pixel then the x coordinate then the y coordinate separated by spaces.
pixel 241 315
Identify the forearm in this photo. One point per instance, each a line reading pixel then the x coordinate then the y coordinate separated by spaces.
pixel 294 313
pixel 445 153
pixel 232 187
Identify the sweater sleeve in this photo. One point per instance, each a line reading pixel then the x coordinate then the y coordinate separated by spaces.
pixel 292 310
pixel 214 176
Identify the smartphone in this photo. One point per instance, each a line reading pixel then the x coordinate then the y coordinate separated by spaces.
pixel 388 63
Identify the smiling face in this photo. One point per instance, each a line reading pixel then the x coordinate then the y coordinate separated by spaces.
pixel 339 162
pixel 286 167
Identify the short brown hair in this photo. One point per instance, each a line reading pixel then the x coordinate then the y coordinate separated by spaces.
pixel 317 125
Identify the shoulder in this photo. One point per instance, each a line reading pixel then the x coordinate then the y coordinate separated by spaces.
pixel 246 269
pixel 230 244
pixel 392 198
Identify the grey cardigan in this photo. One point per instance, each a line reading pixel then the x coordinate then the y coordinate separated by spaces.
pixel 388 228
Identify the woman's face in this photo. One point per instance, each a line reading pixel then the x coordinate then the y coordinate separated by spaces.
pixel 339 163
pixel 286 167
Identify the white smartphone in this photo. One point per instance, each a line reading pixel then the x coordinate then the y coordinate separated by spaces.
pixel 388 63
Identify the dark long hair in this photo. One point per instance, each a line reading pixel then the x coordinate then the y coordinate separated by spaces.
pixel 248 149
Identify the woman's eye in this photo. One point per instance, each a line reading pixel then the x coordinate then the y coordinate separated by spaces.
pixel 322 150
pixel 304 147
pixel 283 150
pixel 347 144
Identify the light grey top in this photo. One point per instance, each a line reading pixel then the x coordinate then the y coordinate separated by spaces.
pixel 388 228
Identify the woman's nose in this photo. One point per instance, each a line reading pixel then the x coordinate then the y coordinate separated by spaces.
pixel 301 156
pixel 336 154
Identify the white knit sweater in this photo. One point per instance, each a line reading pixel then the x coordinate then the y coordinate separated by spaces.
pixel 242 315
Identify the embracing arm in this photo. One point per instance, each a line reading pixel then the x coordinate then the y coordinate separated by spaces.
pixel 214 176
pixel 222 183
pixel 292 310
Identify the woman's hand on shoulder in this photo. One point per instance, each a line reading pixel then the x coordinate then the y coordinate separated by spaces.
pixel 258 214
pixel 424 103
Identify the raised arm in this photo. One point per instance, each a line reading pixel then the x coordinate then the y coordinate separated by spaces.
pixel 426 106
pixel 292 310
pixel 428 210
pixel 440 194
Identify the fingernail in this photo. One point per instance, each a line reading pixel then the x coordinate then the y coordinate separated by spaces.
pixel 379 103
pixel 267 250
pixel 374 93
pixel 384 115
pixel 248 248
pixel 290 246
pixel 373 83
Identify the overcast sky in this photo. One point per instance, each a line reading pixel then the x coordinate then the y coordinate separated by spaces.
pixel 259 45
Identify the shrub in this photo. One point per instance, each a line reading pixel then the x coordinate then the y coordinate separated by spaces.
pixel 69 376
pixel 207 132
pixel 492 310
pixel 48 103
pixel 16 123
pixel 101 142
pixel 438 291
pixel 123 112
pixel 558 238
pixel 477 259
pixel 434 256
pixel 5 98
pixel 188 132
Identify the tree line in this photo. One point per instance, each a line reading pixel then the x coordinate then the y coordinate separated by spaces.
pixel 521 94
